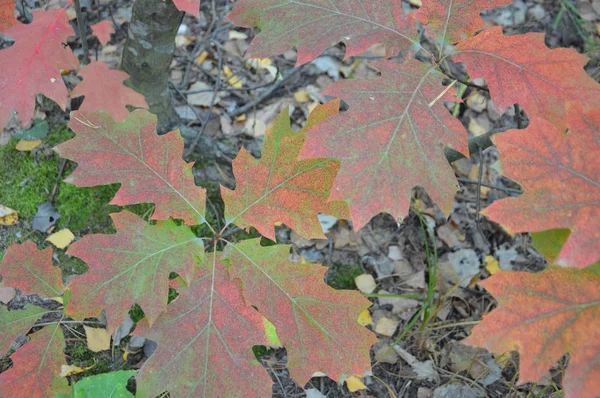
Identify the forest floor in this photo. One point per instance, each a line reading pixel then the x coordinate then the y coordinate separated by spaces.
pixel 423 358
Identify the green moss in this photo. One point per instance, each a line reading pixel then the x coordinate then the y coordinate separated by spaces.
pixel 341 276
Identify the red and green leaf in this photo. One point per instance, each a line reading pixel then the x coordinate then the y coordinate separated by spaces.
pixel 391 139
pixel 16 323
pixel 278 188
pixel 544 316
pixel 131 266
pixel 560 176
pixel 541 80
pixel 148 167
pixel 316 323
pixel 313 26
pixel 37 365
pixel 33 64
pixel 26 268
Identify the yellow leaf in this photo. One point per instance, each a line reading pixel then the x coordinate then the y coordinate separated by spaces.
pixel 503 359
pixel 235 82
pixel 125 355
pixel 364 318
pixel 27 145
pixel 365 283
pixel 8 216
pixel 70 370
pixel 241 118
pixel 62 238
pixel 227 71
pixel 97 339
pixel 491 265
pixel 354 384
pixel 301 96
pixel 235 35
pixel 202 57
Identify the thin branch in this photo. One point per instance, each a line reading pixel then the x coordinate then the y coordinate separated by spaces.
pixel 509 191
pixel 82 32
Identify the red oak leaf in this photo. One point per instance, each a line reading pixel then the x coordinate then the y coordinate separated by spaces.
pixel 148 167
pixel 391 139
pixel 37 367
pixel 131 266
pixel 31 270
pixel 451 20
pixel 7 14
pixel 189 6
pixel 16 323
pixel 104 90
pixel 103 30
pixel 32 65
pixel 541 80
pixel 544 316
pixel 560 175
pixel 316 323
pixel 313 26
pixel 280 188
pixel 205 343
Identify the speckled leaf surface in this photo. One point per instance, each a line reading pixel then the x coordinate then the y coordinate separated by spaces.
pixel 544 316
pixel 104 90
pixel 29 269
pixel 205 342
pixel 312 26
pixel 560 174
pixel 16 323
pixel 36 367
pixel 316 323
pixel 281 188
pixel 131 266
pixel 541 80
pixel 32 65
pixel 149 168
pixel 448 21
pixel 7 14
pixel 390 140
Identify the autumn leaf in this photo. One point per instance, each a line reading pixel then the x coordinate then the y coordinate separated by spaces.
pixel 316 323
pixel 7 15
pixel 313 26
pixel 16 323
pixel 33 64
pixel 190 6
pixel 560 176
pixel 131 266
pixel 541 80
pixel 280 188
pixel 31 270
pixel 36 367
pixel 104 385
pixel 148 167
pixel 205 342
pixel 103 30
pixel 391 139
pixel 104 90
pixel 544 316
pixel 452 20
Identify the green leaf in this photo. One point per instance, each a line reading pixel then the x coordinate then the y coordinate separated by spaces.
pixel 107 385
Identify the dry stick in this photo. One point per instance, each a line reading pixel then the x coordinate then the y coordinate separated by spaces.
pixel 478 215
pixel 60 172
pixel 503 189
pixel 82 32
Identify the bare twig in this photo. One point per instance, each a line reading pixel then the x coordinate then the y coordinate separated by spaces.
pixel 479 182
pixel 503 189
pixel 82 32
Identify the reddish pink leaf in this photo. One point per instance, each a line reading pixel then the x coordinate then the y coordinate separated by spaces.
pixel 560 175
pixel 280 188
pixel 31 270
pixel 313 26
pixel 16 323
pixel 205 343
pixel 131 266
pixel 103 30
pixel 541 80
pixel 544 316
pixel 7 14
pixel 32 65
pixel 390 140
pixel 148 167
pixel 316 323
pixel 36 367
pixel 451 20
pixel 189 6
pixel 104 90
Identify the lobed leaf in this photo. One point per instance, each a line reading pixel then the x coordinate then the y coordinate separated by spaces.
pixel 560 175
pixel 105 385
pixel 148 167
pixel 544 316
pixel 16 323
pixel 390 140
pixel 278 188
pixel 190 6
pixel 102 30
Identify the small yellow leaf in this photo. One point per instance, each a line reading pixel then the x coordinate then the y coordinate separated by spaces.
pixel 57 299
pixel 235 82
pixel 227 71
pixel 27 145
pixel 354 384
pixel 241 118
pixel 62 238
pixel 202 57
pixel 8 216
pixel 491 265
pixel 97 339
pixel 364 318
pixel 235 35
pixel 125 355
pixel 301 96
pixel 503 359
pixel 70 370
pixel 365 283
